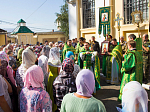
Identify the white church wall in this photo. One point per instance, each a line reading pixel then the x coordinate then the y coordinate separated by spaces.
pixel 72 21
pixel 99 3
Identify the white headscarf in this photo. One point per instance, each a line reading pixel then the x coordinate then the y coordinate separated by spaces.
pixel 54 57
pixel 134 98
pixel 28 58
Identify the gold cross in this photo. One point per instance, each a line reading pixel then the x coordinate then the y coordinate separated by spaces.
pixel 118 19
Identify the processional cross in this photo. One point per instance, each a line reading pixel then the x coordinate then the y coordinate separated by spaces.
pixel 118 19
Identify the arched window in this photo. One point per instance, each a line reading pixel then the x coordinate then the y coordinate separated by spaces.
pixel 88 7
pixel 132 5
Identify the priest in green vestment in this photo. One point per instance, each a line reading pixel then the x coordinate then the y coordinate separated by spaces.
pixel 89 60
pixel 109 38
pixel 79 47
pixel 67 47
pixel 131 67
pixel 116 60
pixel 112 45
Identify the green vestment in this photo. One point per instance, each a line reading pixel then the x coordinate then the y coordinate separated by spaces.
pixel 139 45
pixel 109 64
pixel 65 50
pixel 117 54
pixel 78 48
pixel 87 64
pixel 131 69
pixel 104 65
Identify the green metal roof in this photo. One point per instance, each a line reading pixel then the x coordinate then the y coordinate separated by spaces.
pixel 22 29
pixel 21 21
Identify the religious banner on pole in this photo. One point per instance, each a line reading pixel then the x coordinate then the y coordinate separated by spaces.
pixel 104 20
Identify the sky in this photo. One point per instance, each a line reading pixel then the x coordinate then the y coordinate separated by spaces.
pixel 44 17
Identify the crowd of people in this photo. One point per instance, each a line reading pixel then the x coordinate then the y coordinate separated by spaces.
pixel 64 77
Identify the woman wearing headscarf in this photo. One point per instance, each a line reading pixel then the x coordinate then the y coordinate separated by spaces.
pixel 28 59
pixel 70 55
pixel 134 98
pixel 64 83
pixel 43 63
pixel 45 51
pixel 33 97
pixel 5 88
pixel 51 44
pixel 19 57
pixel 54 65
pixel 8 74
pixel 82 100
pixel 4 56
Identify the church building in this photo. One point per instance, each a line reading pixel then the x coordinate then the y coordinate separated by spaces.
pixel 23 33
pixel 84 18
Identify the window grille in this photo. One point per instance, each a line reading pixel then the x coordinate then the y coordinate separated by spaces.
pixel 88 7
pixel 132 5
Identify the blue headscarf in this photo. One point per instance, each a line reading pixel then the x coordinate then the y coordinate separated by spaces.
pixel 70 55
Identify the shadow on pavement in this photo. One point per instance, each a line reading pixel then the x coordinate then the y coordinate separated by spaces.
pixel 109 98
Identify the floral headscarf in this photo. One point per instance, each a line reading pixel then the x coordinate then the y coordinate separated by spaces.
pixel 68 65
pixel 4 56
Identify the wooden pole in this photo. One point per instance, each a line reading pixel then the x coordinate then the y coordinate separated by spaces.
pixel 119 34
pixel 104 3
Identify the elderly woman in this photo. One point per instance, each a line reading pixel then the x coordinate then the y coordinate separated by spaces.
pixel 43 62
pixel 4 56
pixel 82 100
pixel 33 97
pixel 134 98
pixel 5 88
pixel 65 82
pixel 8 74
pixel 54 65
pixel 70 55
pixel 45 51
pixel 28 59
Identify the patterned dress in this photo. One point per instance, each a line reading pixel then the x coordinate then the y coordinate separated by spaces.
pixel 63 84
pixel 20 76
pixel 35 100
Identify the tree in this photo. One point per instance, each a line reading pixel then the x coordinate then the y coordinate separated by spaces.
pixel 62 19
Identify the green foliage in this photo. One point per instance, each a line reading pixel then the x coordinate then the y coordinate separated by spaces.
pixel 62 19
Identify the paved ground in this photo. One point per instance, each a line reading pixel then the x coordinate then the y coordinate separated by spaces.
pixel 109 95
